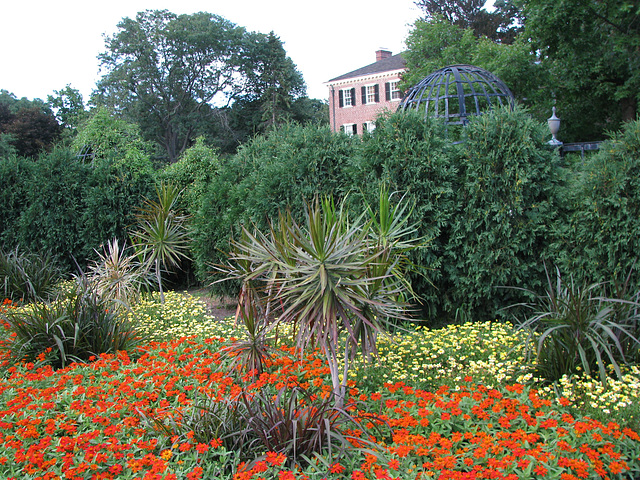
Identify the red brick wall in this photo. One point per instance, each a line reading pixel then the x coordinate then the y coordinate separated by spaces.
pixel 359 113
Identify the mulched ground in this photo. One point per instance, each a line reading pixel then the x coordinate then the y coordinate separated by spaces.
pixel 218 308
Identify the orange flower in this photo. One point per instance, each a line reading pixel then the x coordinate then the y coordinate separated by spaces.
pixel 196 474
pixel 275 458
pixel 202 448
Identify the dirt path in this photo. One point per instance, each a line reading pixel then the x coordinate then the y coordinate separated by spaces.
pixel 218 308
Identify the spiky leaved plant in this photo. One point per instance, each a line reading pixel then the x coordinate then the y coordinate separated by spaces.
pixel 119 276
pixel 573 326
pixel 27 276
pixel 73 328
pixel 162 238
pixel 330 277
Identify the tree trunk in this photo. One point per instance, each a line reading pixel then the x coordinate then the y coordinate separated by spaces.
pixel 339 386
pixel 629 109
pixel 159 279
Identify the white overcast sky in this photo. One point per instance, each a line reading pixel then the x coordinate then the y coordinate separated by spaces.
pixel 45 45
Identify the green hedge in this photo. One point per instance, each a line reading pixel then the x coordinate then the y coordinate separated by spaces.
pixel 490 210
pixel 599 239
pixel 507 179
pixel 414 158
pixel 67 208
pixel 284 168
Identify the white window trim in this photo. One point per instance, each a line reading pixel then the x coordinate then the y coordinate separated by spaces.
pixel 373 86
pixel 345 92
pixel 348 128
pixel 392 91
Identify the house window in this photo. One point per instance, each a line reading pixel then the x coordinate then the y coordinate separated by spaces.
pixel 350 128
pixel 347 97
pixel 368 127
pixel 370 94
pixel 392 91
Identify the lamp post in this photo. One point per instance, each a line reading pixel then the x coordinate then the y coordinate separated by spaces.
pixel 554 126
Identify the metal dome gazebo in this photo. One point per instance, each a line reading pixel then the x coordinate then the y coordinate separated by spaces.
pixel 457 92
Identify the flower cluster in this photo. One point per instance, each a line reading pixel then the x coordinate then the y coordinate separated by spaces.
pixel 491 352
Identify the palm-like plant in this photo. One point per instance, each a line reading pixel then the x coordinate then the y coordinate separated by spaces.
pixel 576 327
pixel 162 239
pixel 330 277
pixel 118 276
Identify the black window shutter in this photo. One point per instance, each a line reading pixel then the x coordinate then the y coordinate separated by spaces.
pixel 341 95
pixel 377 90
pixel 353 97
pixel 387 91
pixel 364 95
pixel 355 128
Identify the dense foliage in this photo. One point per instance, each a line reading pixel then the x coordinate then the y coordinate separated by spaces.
pixel 499 237
pixel 413 157
pixel 174 74
pixel 26 127
pixel 598 237
pixel 284 168
pixel 66 207
pixel 591 55
pixel 488 210
pixel 579 56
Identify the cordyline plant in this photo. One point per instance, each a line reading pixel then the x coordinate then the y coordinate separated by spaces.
pixel 576 327
pixel 119 276
pixel 340 283
pixel 162 238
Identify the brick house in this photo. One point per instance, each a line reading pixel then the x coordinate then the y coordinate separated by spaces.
pixel 357 98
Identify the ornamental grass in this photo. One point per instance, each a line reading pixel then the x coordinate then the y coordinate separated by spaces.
pixel 453 405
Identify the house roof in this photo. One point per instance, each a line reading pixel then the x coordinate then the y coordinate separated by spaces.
pixel 394 62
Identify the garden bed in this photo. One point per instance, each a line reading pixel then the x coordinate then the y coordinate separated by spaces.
pixel 439 404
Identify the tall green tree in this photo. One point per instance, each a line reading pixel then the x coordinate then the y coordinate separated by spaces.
pixel 277 81
pixel 170 73
pixel 163 70
pixel 68 106
pixel 275 94
pixel 26 126
pixel 592 50
pixel 500 24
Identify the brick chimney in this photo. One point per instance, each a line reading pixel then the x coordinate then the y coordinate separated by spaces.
pixel 382 54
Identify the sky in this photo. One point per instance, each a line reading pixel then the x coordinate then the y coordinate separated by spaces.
pixel 46 45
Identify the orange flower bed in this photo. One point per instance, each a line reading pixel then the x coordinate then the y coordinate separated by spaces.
pixel 91 422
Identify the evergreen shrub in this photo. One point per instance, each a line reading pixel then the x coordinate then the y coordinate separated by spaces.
pixel 508 179
pixel 285 168
pixel 68 208
pixel 412 156
pixel 598 241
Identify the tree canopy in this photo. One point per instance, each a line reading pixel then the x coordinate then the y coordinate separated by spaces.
pixel 592 50
pixel 501 24
pixel 26 126
pixel 171 73
pixel 578 55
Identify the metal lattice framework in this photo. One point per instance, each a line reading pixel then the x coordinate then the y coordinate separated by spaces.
pixel 456 92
